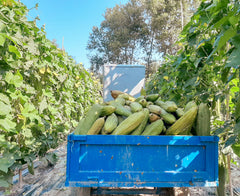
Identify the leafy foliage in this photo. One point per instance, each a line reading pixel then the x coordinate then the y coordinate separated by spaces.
pixel 206 69
pixel 43 92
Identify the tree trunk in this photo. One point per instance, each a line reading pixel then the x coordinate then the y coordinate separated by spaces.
pixel 125 55
pixel 131 59
pixel 182 17
pixel 149 56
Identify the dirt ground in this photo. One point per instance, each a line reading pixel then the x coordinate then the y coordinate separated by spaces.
pixel 50 181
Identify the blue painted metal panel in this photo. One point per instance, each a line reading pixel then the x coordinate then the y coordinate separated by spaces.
pixel 142 161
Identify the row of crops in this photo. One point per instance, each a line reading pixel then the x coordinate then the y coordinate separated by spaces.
pixel 43 92
pixel 206 69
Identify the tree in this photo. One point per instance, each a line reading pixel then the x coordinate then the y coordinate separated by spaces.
pixel 116 40
pixel 139 32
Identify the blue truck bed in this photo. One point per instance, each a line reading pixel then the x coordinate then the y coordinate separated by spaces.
pixel 142 161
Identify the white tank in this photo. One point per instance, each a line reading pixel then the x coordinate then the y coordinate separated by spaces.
pixel 127 78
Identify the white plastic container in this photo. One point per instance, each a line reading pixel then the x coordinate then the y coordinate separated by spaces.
pixel 127 78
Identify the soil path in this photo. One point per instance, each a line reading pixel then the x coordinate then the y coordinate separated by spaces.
pixel 50 181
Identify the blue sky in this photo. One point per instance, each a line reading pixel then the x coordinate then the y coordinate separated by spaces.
pixel 71 19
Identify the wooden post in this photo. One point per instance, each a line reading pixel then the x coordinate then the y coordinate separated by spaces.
pixel 222 178
pixel 228 156
pixel 20 178
pixel 229 174
pixel 182 20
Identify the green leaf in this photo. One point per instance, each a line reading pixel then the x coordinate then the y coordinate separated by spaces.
pixel 6 178
pixel 53 110
pixel 2 26
pixel 233 19
pixel 234 58
pixel 2 39
pixel 224 75
pixel 6 161
pixel 31 168
pixel 29 159
pixel 27 133
pixel 231 140
pixel 3 140
pixel 4 108
pixel 196 63
pixel 52 158
pixel 74 122
pixel 16 80
pixel 43 105
pixel 190 82
pixel 236 41
pixel 4 183
pixel 220 22
pixel 32 116
pixel 28 107
pixel 237 127
pixel 14 50
pixel 224 37
pixel 192 39
pixel 7 125
pixel 236 149
pixel 32 47
pixel 61 78
pixel 219 131
pixel 47 93
pixel 4 98
pixel 178 61
pixel 30 89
